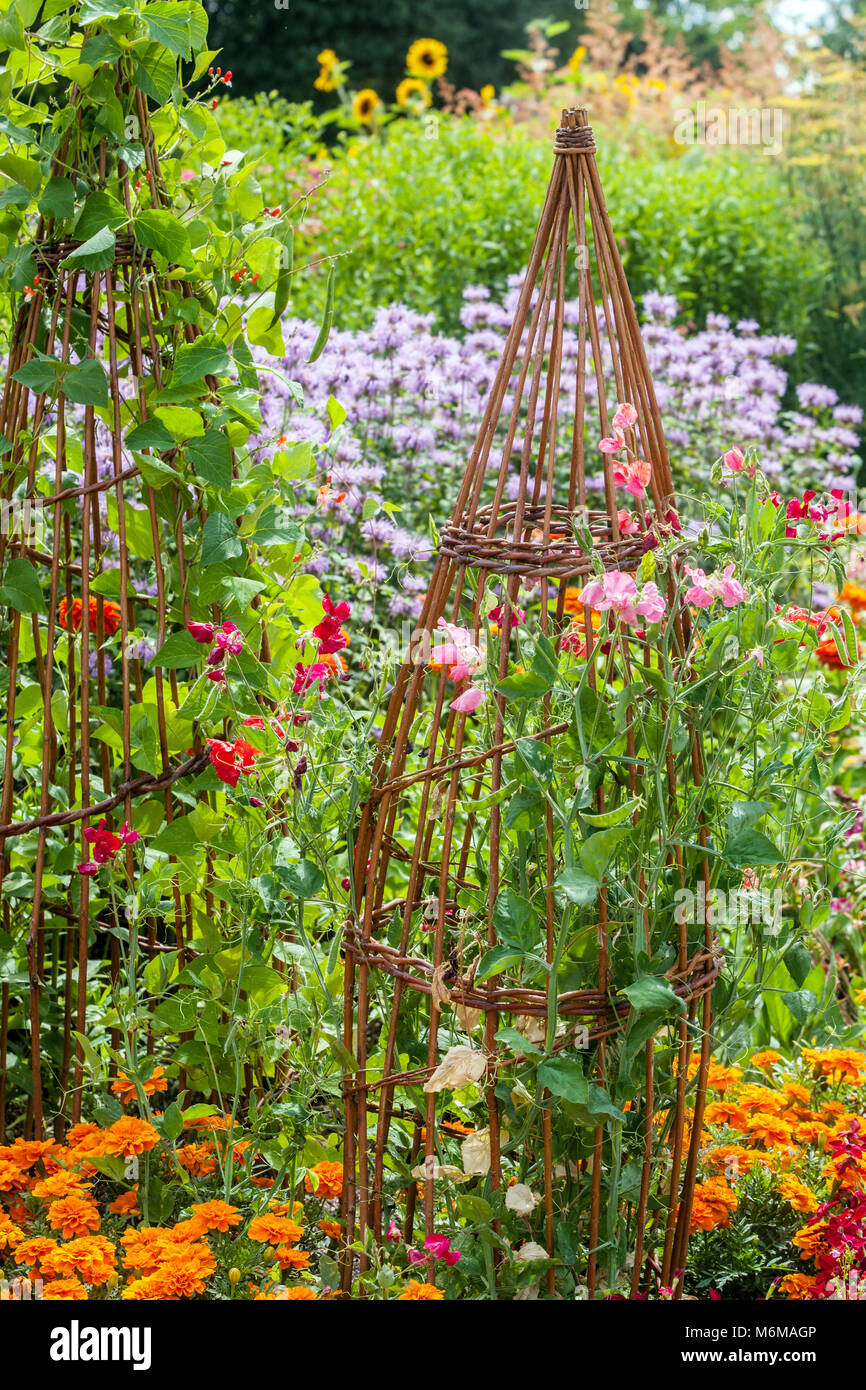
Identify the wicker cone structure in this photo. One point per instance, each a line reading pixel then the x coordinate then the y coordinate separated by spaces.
pixel 433 822
pixel 117 317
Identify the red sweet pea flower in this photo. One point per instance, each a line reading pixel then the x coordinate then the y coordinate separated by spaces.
pixel 229 760
pixel 105 845
pixel 307 676
pixel 202 632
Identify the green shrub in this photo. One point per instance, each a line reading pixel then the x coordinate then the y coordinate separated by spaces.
pixel 429 207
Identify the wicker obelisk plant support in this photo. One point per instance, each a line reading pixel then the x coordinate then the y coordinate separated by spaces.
pixel 485 958
pixel 85 451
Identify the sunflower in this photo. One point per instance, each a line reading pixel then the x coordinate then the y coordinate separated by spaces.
pixel 427 58
pixel 365 105
pixel 412 86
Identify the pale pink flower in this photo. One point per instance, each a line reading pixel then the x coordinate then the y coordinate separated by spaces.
pixel 618 593
pixel 471 698
pixel 651 604
pixel 625 416
pixel 701 595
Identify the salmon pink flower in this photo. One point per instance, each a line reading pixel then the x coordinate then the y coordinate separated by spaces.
pixel 612 444
pixel 460 654
pixel 633 475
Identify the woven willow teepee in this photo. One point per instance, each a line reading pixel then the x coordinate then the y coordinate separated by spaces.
pixel 86 344
pixel 438 865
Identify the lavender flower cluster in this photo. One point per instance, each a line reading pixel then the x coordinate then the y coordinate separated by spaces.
pixel 414 399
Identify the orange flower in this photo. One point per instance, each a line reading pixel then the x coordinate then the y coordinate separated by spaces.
pixel 126 1089
pixel 73 1216
pixel 287 1258
pixel 195 1158
pixel 296 1293
pixel 11 1235
pixel 110 615
pixel 853 594
pixel 67 1289
pixel 274 1230
pixel 329 1179
pixel 216 1216
pixel 797 1285
pixel 130 1136
pixel 765 1061
pixel 12 1178
pixel 332 1229
pixel 126 1204
pixel 60 1184
pixel 771 1130
pixel 811 1132
pixel 800 1197
pixel 713 1203
pixel 719 1078
pixel 725 1112
pixel 836 1063
pixel 32 1252
pixel 92 1259
pixel 809 1240
pixel 761 1098
pixel 25 1152
pixel 416 1292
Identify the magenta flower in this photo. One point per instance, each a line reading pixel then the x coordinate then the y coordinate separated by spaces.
pixel 229 640
pixel 394 1233
pixel 307 676
pixel 440 1248
pixel 202 632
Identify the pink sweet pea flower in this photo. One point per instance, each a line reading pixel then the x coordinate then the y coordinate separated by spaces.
pixel 700 595
pixel 229 639
pixel 440 1248
pixel 627 524
pixel 612 445
pixel 460 654
pixel 518 616
pixel 707 588
pixel 625 416
pixel 734 459
pixel 307 676
pixel 618 593
pixel 731 591
pixel 394 1233
pixel 88 869
pixel 633 475
pixel 651 604
pixel 128 835
pixel 471 698
pixel 416 1257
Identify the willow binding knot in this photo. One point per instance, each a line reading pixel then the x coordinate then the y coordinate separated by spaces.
pixel 574 135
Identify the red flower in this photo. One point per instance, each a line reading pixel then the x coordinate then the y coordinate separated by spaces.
pixel 229 760
pixel 202 632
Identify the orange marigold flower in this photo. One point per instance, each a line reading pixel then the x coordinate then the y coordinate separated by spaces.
pixel 60 1184
pixel 131 1136
pixel 797 1285
pixel 719 1078
pixel 836 1063
pixel 289 1258
pixel 126 1204
pixel 110 615
pixel 82 1131
pixel 416 1292
pixel 725 1112
pixel 25 1152
pixel 11 1235
pixel 811 1132
pixel 809 1240
pixel 853 594
pixel 761 1098
pixel 773 1131
pixel 32 1252
pixel 713 1203
pixel 274 1230
pixel 217 1216
pixel 328 1179
pixel 73 1216
pixel 126 1089
pixel 12 1178
pixel 196 1159
pixel 297 1293
pixel 766 1060
pixel 332 1229
pixel 800 1197
pixel 91 1258
pixel 64 1289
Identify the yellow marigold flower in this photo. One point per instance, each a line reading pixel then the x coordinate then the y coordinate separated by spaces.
pixel 427 58
pixel 416 1292
pixel 217 1216
pixel 798 1195
pixel 365 105
pixel 329 1179
pixel 328 60
pixel 73 1216
pixel 413 86
pixel 487 93
pixel 576 58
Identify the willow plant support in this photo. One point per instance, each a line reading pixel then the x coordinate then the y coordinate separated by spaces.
pixel 111 317
pixel 429 758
